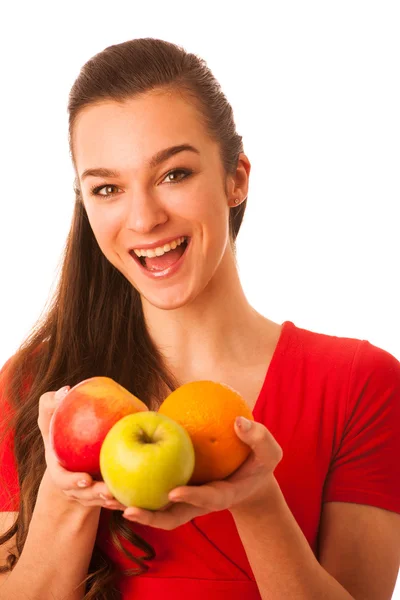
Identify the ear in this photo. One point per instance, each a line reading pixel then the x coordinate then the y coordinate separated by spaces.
pixel 238 184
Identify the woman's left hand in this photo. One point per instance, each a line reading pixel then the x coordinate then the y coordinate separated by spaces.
pixel 249 486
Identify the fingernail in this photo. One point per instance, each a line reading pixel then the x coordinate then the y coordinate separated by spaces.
pixel 175 498
pixel 62 392
pixel 243 423
pixel 83 483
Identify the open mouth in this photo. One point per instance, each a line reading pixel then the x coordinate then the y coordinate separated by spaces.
pixel 148 263
pixel 142 259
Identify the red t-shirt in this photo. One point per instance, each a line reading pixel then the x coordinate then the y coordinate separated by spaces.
pixel 333 404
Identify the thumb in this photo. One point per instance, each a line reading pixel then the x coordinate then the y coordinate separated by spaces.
pixel 47 406
pixel 59 395
pixel 260 440
pixel 246 430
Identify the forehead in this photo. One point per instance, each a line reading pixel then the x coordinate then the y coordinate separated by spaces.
pixel 126 135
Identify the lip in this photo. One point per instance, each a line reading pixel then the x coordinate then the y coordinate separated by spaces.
pixel 169 271
pixel 160 243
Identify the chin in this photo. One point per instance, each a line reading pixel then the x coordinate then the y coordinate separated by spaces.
pixel 167 300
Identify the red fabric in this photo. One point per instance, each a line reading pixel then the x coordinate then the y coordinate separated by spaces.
pixel 9 489
pixel 333 404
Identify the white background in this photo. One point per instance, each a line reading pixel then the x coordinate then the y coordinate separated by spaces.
pixel 316 95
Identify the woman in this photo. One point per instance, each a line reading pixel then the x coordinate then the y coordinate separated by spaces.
pixel 314 510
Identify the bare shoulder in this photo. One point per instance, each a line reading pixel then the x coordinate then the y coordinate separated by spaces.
pixel 359 545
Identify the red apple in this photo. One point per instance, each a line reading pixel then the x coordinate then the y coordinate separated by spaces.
pixel 83 418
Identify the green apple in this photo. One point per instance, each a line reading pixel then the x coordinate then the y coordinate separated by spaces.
pixel 143 457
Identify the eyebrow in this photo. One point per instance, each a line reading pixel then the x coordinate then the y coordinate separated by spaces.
pixel 156 160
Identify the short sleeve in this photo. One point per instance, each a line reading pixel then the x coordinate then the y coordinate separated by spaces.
pixel 366 467
pixel 9 488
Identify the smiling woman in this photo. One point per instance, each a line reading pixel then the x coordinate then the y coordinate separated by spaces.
pixel 150 296
pixel 162 191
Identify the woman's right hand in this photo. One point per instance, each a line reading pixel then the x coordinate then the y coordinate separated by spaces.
pixel 94 493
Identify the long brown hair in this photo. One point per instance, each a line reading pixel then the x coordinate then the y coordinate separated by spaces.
pixel 94 323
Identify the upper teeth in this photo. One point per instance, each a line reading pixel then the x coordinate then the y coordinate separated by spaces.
pixel 159 251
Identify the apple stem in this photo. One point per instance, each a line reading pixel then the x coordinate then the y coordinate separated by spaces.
pixel 145 438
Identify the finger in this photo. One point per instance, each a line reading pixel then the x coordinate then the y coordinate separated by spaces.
pixel 214 496
pixel 92 497
pixel 48 403
pixel 166 507
pixel 260 440
pixel 169 519
pixel 97 492
pixel 114 505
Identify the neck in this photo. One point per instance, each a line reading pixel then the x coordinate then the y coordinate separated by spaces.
pixel 219 327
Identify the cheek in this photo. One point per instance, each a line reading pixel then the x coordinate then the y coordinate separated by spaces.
pixel 208 209
pixel 199 201
pixel 217 217
pixel 104 229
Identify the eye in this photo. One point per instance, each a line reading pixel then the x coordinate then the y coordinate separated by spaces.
pixel 186 173
pixel 95 191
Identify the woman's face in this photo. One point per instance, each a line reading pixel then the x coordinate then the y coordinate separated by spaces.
pixel 140 204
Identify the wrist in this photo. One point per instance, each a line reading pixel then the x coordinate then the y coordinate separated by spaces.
pixel 268 502
pixel 54 500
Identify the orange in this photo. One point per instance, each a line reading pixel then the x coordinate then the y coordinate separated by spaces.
pixel 207 410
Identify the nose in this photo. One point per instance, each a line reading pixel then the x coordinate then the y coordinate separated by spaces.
pixel 144 212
